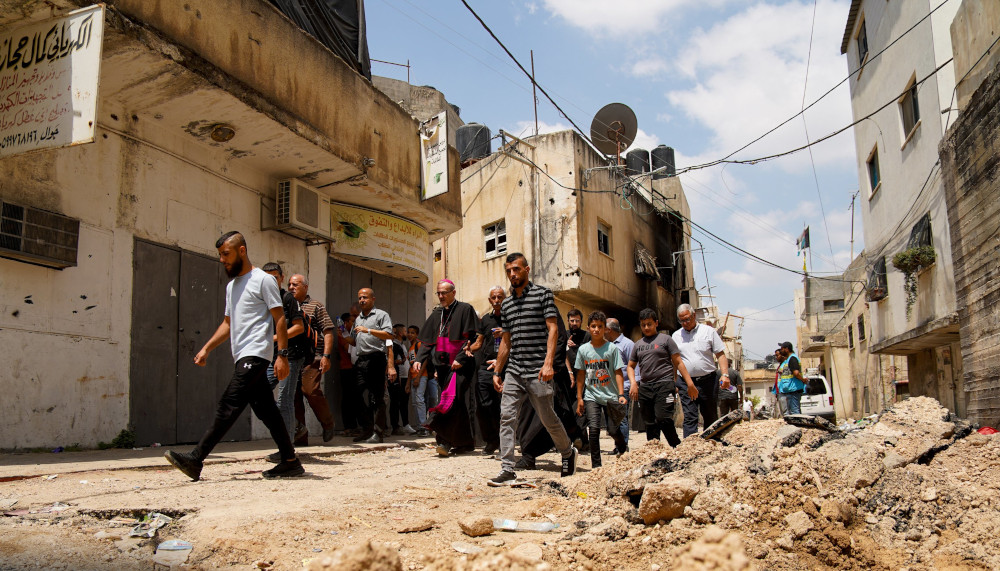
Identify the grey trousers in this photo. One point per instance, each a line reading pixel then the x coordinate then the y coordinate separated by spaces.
pixel 516 388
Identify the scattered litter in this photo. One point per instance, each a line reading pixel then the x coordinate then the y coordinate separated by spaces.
pixel 57 449
pixel 51 476
pixel 267 564
pixel 582 495
pixel 149 524
pixel 513 525
pixel 368 525
pixel 84 482
pixel 317 550
pixel 466 548
pixel 155 445
pixel 523 484
pixel 58 507
pixel 987 430
pixel 172 552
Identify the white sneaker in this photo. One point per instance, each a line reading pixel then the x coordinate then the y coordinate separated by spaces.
pixel 408 430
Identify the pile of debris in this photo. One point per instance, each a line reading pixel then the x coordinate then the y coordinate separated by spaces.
pixel 917 489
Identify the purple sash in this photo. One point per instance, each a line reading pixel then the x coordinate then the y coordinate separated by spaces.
pixel 451 349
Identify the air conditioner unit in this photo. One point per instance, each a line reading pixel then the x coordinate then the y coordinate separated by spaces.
pixel 38 236
pixel 302 211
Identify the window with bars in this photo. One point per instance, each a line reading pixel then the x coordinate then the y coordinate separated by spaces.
pixel 603 238
pixel 878 283
pixel 920 234
pixel 861 328
pixel 850 337
pixel 495 239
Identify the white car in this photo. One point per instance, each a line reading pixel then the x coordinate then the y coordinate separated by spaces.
pixel 818 397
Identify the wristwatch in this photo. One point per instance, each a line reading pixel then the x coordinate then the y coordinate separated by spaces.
pixel 326 355
pixel 282 352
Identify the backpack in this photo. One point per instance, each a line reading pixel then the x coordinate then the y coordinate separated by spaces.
pixel 312 332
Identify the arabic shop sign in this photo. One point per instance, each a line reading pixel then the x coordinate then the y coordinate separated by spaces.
pixel 434 156
pixel 373 235
pixel 49 73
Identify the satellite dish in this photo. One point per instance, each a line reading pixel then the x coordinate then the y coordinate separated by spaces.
pixel 614 128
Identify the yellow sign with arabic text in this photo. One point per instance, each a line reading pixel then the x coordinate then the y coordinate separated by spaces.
pixel 372 235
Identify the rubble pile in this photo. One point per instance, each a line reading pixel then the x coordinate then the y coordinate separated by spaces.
pixel 917 489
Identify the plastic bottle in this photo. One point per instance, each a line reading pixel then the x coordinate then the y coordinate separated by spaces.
pixel 513 525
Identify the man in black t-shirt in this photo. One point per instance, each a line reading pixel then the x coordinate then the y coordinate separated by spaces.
pixel 487 398
pixel 299 352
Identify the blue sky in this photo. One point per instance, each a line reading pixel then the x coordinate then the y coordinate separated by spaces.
pixel 703 76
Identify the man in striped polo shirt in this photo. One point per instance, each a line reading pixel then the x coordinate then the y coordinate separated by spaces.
pixel 527 349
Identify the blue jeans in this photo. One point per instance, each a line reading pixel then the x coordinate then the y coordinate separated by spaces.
pixel 286 392
pixel 792 401
pixel 425 396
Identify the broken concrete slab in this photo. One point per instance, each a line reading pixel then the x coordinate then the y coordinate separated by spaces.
pixel 720 427
pixel 667 499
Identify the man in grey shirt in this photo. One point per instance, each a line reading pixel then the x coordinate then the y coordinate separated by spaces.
pixel 252 303
pixel 700 345
pixel 372 329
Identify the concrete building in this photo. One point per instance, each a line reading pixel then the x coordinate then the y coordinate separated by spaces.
pixel 203 106
pixel 593 247
pixel 897 98
pixel 834 336
pixel 969 161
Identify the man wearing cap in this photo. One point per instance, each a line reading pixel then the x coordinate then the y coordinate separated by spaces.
pixel 791 383
pixel 699 344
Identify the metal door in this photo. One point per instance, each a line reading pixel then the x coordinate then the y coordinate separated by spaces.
pixel 202 307
pixel 153 359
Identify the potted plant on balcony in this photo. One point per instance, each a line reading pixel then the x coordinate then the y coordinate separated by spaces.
pixel 910 261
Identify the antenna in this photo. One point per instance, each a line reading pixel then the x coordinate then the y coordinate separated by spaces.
pixel 613 129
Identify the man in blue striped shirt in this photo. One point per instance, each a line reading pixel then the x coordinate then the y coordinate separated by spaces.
pixel 527 349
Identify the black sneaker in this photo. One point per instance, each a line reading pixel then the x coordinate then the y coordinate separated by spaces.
pixel 287 469
pixel 363 436
pixel 504 478
pixel 525 463
pixel 569 464
pixel 328 434
pixel 185 462
pixel 490 449
pixel 274 457
pixel 375 438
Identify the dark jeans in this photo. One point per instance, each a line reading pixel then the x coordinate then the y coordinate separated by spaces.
pixel 656 405
pixel 369 388
pixel 706 403
pixel 595 417
pixel 399 404
pixel 348 399
pixel 487 408
pixel 248 386
pixel 727 406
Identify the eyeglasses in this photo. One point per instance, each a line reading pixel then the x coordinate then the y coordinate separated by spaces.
pixel 441 293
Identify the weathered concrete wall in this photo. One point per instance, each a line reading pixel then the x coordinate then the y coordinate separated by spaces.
pixel 566 257
pixel 970 159
pixel 973 32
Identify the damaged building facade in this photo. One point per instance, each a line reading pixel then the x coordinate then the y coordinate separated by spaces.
pixel 970 166
pixel 211 115
pixel 910 275
pixel 598 243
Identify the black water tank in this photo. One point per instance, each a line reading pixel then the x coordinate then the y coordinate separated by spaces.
pixel 637 162
pixel 663 156
pixel 473 141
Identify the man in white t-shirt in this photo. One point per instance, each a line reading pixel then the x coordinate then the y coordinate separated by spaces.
pixel 253 315
pixel 700 345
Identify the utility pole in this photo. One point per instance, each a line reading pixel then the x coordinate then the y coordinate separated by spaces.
pixel 534 95
pixel 853 196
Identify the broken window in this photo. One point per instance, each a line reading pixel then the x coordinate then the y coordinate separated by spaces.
pixel 920 235
pixel 495 239
pixel 603 238
pixel 878 288
pixel 833 304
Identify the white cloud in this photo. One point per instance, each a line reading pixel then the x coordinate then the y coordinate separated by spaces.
pixel 748 74
pixel 735 279
pixel 527 128
pixel 647 67
pixel 631 16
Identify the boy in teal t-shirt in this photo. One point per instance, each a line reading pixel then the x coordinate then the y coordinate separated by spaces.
pixel 600 387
